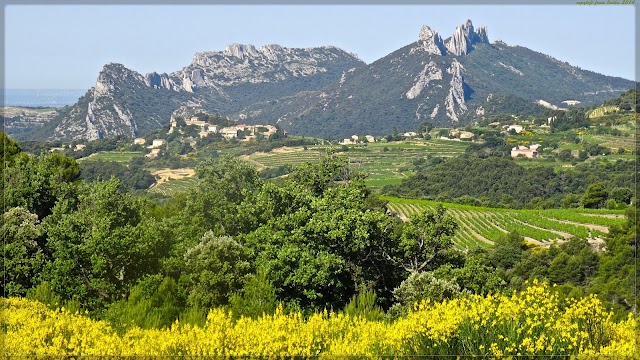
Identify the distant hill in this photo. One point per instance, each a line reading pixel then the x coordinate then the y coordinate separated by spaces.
pixel 328 92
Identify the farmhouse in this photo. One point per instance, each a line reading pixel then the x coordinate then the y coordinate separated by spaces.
pixel 139 141
pixel 370 138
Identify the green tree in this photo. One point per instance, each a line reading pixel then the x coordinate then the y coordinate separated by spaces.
pixel 216 268
pixel 595 196
pixel 565 155
pixel 155 302
pixel 37 183
pixel 622 195
pixel 9 149
pixel 426 240
pixel 571 201
pixel 257 297
pixel 23 256
pixel 100 245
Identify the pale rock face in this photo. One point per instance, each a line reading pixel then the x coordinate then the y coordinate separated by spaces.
pixel 239 64
pixel 104 115
pixel 460 42
pixel 435 111
pixel 513 69
pixel 240 51
pixel 430 72
pixel 431 42
pixel 454 102
pixel 127 118
pixel 92 132
pixel 272 52
pixel 463 38
pixel 481 35
pixel 160 81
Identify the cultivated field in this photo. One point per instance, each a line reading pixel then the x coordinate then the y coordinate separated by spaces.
pixel 484 226
pixel 173 187
pixel 384 163
pixel 116 156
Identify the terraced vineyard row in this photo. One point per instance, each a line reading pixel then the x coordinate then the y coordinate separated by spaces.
pixel 289 158
pixel 384 163
pixel 175 186
pixel 484 226
pixel 116 156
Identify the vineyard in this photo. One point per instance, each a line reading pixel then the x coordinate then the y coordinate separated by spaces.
pixel 383 163
pixel 116 156
pixel 173 186
pixel 601 111
pixel 484 226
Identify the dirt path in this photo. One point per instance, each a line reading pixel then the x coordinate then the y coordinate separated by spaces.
pixel 604 229
pixel 557 232
pixel 610 216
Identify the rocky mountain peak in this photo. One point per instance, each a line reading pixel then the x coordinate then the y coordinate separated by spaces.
pixel 241 51
pixel 463 38
pixel 431 42
pixel 481 35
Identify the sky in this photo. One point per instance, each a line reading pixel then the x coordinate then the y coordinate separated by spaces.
pixel 66 46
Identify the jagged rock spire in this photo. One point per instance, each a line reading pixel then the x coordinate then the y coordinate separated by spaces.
pixel 431 42
pixel 463 38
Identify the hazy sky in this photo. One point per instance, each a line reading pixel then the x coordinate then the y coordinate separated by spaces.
pixel 65 46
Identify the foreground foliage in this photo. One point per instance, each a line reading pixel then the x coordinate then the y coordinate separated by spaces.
pixel 534 321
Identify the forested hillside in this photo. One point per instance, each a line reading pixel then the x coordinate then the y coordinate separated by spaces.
pixel 317 239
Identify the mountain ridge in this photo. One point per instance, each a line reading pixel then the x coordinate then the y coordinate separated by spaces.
pixel 328 92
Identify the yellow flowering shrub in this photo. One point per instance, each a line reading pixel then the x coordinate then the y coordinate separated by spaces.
pixel 530 322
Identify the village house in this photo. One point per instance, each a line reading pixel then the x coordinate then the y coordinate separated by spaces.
pixel 156 143
pixel 79 147
pixel 410 134
pixel 517 128
pixel 139 141
pixel 370 138
pixel 528 152
pixel 230 132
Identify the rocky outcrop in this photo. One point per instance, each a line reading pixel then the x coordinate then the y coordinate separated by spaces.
pixel 160 81
pixel 430 72
pixel 105 111
pixel 454 103
pixel 464 37
pixel 431 42
pixel 481 35
pixel 242 64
